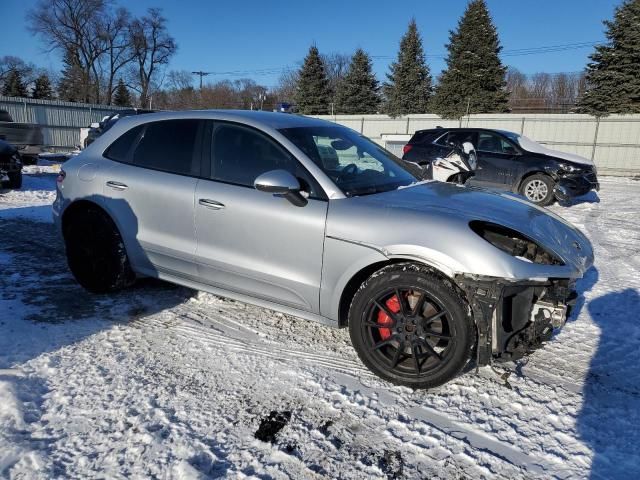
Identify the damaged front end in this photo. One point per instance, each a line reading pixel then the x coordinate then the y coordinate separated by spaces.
pixel 575 182
pixel 515 318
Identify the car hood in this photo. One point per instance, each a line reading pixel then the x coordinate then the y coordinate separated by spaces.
pixel 535 147
pixel 448 203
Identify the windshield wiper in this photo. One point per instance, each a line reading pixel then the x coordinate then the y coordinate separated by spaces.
pixel 371 190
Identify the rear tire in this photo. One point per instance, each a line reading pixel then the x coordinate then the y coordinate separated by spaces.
pixel 96 253
pixel 15 180
pixel 429 336
pixel 538 189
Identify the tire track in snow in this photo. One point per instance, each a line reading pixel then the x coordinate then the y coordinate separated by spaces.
pixel 347 373
pixel 272 350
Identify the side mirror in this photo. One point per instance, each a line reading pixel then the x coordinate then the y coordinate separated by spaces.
pixel 282 183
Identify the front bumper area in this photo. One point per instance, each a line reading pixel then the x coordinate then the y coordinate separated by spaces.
pixel 515 318
pixel 576 184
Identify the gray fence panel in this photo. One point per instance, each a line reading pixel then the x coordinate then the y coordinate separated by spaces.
pixel 60 121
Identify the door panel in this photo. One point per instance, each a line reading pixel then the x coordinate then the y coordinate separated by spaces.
pixel 495 169
pixel 259 244
pixel 497 163
pixel 154 211
pixel 150 187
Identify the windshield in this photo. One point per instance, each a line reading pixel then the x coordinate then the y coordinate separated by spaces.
pixel 525 142
pixel 357 165
pixel 511 136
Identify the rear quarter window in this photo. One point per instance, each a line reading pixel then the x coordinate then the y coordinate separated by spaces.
pixel 120 150
pixel 424 137
pixel 170 146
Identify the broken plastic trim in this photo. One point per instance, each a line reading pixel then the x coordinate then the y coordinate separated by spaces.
pixel 514 243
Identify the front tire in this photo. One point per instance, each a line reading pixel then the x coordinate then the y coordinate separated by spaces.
pixel 538 189
pixel 411 327
pixel 95 252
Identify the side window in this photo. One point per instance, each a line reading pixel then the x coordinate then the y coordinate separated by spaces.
pixel 460 137
pixel 425 137
pixel 120 149
pixel 489 142
pixel 171 146
pixel 240 154
pixel 456 136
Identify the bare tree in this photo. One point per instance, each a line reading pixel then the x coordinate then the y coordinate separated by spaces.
pixel 153 47
pixel 27 71
pixel 287 84
pixel 336 66
pixel 114 30
pixel 179 80
pixel 563 92
pixel 517 88
pixel 539 90
pixel 74 25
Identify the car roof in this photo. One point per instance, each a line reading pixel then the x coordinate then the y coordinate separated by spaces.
pixel 466 129
pixel 272 120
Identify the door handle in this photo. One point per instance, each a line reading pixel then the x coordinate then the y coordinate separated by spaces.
pixel 116 185
pixel 212 204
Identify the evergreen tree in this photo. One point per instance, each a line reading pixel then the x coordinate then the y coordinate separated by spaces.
pixel 312 92
pixel 14 85
pixel 72 86
pixel 42 88
pixel 409 87
pixel 357 92
pixel 474 80
pixel 613 83
pixel 122 98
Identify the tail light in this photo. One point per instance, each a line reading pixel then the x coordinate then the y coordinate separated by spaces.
pixel 407 148
pixel 61 176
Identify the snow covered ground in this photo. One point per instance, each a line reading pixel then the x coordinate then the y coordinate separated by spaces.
pixel 165 382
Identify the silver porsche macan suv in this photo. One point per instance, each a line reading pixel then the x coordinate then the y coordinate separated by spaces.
pixel 312 219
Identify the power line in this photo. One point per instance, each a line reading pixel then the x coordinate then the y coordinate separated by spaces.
pixel 201 74
pixel 505 53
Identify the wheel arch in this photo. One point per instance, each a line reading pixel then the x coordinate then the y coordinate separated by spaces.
pixel 79 206
pixel 526 175
pixel 357 279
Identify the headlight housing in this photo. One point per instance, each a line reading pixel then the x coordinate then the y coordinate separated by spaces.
pixel 568 168
pixel 514 243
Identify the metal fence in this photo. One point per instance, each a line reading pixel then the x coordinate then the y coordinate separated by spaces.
pixel 60 121
pixel 612 142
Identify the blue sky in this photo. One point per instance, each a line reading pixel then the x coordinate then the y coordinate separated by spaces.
pixel 253 35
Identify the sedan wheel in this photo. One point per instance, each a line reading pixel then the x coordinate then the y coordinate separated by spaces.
pixel 410 327
pixel 538 189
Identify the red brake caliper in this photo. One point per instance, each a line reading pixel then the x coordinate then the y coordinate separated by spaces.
pixel 384 319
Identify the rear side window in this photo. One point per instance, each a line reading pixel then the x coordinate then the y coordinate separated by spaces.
pixel 171 146
pixel 425 137
pixel 120 149
pixel 458 137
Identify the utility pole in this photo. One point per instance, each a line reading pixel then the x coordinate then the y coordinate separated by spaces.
pixel 201 74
